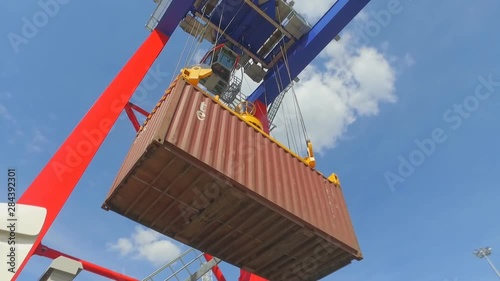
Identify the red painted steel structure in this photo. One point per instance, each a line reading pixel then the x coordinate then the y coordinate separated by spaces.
pixel 50 253
pixel 138 109
pixel 47 252
pixel 261 114
pixel 215 270
pixel 55 183
pixel 129 109
pixel 247 276
pixel 57 180
pixel 73 157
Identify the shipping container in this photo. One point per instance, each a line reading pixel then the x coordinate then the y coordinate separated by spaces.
pixel 197 172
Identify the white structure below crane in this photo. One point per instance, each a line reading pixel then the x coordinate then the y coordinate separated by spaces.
pixel 207 277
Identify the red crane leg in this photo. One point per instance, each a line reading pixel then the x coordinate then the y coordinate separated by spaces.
pixel 261 114
pixel 55 183
pixel 138 109
pixel 215 270
pixel 132 117
pixel 247 276
pixel 47 252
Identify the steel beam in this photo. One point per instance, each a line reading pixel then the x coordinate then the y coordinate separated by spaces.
pixel 230 39
pixel 308 48
pixel 204 269
pixel 62 269
pixel 57 180
pixel 47 252
pixel 174 14
pixel 270 20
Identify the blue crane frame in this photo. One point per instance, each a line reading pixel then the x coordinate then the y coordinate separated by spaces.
pixel 251 30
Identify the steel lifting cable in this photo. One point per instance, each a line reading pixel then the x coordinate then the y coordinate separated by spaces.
pixel 282 111
pixel 301 118
pixel 202 34
pixel 194 44
pixel 248 84
pixel 286 128
pixel 189 55
pixel 296 119
pixel 219 34
pixel 231 21
pixel 176 69
pixel 285 59
pixel 265 101
pixel 289 127
pixel 288 123
pixel 296 102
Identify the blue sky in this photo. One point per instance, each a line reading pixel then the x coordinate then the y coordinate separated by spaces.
pixel 424 228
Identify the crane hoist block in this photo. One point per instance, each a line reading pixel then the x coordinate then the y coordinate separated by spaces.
pixel 198 173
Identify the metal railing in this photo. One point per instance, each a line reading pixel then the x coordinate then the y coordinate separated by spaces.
pixel 188 266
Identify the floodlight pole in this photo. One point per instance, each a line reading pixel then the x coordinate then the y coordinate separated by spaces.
pixel 493 267
pixel 484 253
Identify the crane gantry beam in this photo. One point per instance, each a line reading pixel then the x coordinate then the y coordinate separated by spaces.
pixel 308 48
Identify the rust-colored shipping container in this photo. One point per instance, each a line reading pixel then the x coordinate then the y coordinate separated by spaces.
pixel 198 173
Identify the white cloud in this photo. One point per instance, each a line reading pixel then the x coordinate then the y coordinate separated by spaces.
pixel 144 236
pixel 37 141
pixel 124 246
pixel 409 60
pixel 312 10
pixel 38 138
pixel 11 124
pixel 5 114
pixel 362 16
pixel 347 82
pixel 159 252
pixel 148 245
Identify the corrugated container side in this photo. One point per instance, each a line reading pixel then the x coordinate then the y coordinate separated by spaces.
pixel 199 174
pixel 149 132
pixel 285 180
